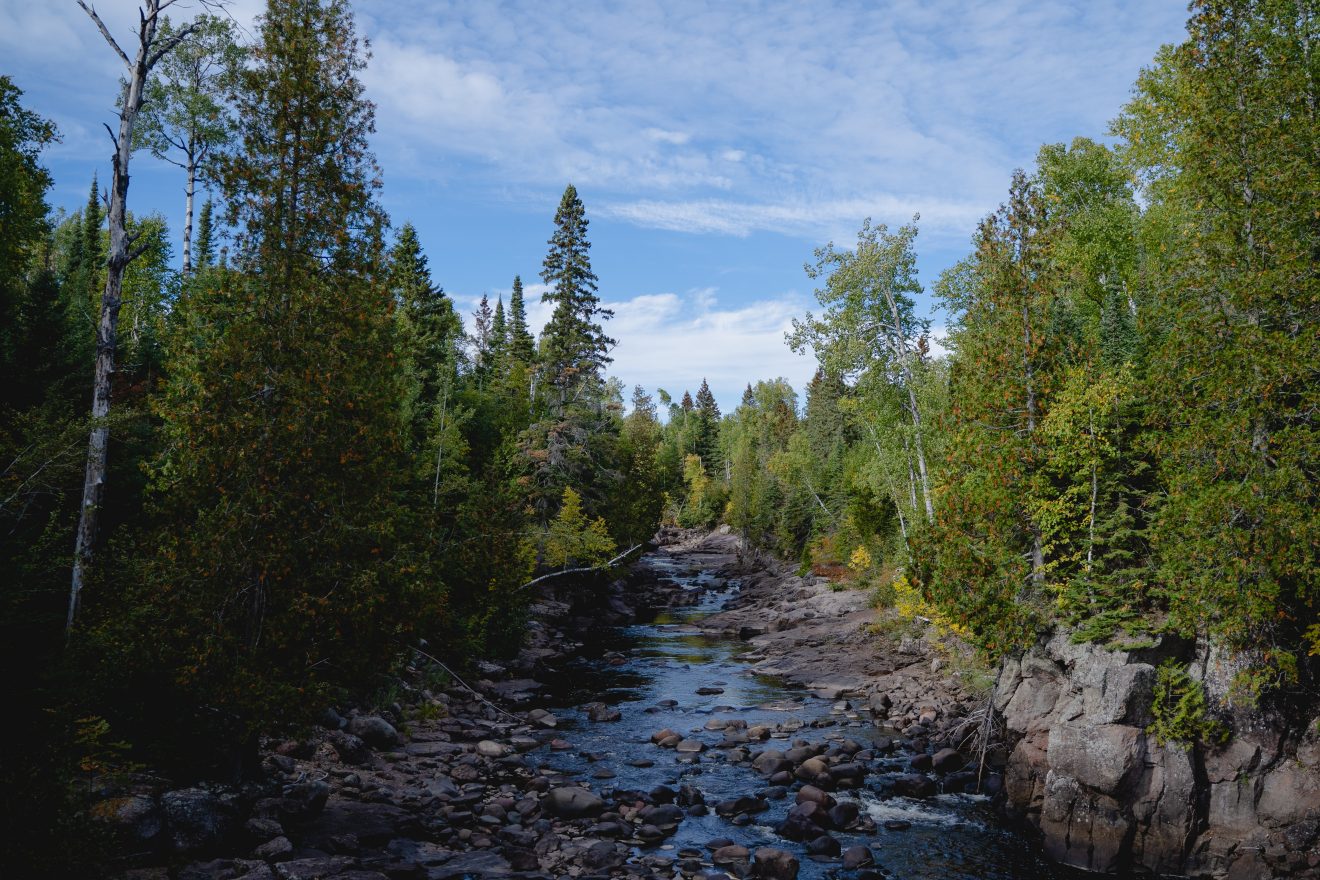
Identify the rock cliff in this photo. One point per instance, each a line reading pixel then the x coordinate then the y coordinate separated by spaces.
pixel 1106 796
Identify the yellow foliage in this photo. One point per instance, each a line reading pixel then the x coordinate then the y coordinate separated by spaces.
pixel 909 603
pixel 860 560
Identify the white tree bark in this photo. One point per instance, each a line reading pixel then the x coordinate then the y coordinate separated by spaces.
pixel 122 252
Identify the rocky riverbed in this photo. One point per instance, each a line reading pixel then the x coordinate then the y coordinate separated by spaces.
pixel 707 715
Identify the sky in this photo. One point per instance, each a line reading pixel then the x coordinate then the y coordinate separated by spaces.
pixel 715 145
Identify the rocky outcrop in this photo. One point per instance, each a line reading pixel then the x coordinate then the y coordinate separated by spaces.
pixel 1106 796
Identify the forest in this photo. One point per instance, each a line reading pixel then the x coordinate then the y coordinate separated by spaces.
pixel 309 465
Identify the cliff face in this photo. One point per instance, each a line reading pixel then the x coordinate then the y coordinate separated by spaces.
pixel 1106 796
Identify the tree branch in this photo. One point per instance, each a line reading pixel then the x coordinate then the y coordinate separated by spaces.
pixel 169 44
pixel 105 32
pixel 554 574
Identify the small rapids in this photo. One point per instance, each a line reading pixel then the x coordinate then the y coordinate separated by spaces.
pixel 651 672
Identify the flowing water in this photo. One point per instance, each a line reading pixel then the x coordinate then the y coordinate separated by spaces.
pixel 950 836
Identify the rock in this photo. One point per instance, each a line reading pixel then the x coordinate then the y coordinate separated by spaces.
pixel 330 719
pixel 690 746
pixel 572 803
pixel 196 819
pixel 921 763
pixel 709 691
pixel 660 737
pixel 857 857
pixel 897 825
pixel 375 731
pixel 823 846
pixel 1100 757
pixel 914 785
pixel 226 869
pixel 690 796
pixel 737 806
pixel 771 761
pixel 603 855
pixel 137 816
pixel 947 761
pixel 304 800
pixel 814 770
pixel 733 854
pixel 770 863
pixel 315 868
pixel 600 712
pixel 845 814
pixel 350 749
pixel 666 817
pixel 815 795
pixel 262 830
pixel 491 749
pixel 277 849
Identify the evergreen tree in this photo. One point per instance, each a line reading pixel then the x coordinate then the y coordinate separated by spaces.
pixel 574 348
pixel 282 417
pixel 522 346
pixel 706 440
pixel 204 250
pixel 483 340
pixel 499 331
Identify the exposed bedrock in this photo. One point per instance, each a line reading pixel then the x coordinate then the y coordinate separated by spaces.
pixel 1106 796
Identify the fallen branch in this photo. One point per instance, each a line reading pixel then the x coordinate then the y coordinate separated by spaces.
pixel 584 570
pixel 469 688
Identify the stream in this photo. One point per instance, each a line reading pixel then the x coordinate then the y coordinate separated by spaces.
pixel 651 673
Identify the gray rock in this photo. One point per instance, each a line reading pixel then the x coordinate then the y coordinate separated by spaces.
pixel 137 816
pixel 277 849
pixel 855 857
pixel 196 819
pixel 1101 757
pixel 690 746
pixel 375 731
pixel 947 761
pixel 600 712
pixel 771 863
pixel 572 803
pixel 351 749
pixel 914 786
pixel 490 749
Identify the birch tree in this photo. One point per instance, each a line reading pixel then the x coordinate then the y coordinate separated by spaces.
pixel 185 116
pixel 152 46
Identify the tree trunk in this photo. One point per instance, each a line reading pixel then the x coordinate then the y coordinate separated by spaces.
pixel 121 254
pixel 188 213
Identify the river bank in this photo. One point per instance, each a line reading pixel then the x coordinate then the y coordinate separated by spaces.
pixel 706 714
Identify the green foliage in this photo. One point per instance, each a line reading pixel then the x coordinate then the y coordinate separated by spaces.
pixel 1180 710
pixel 573 540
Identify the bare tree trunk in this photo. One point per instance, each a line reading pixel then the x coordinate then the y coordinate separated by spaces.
pixel 122 252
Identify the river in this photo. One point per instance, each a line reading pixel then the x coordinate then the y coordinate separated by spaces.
pixel 651 672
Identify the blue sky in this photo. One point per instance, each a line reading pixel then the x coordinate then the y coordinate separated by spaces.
pixel 715 144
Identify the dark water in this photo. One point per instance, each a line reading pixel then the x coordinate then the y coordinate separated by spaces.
pixel 951 836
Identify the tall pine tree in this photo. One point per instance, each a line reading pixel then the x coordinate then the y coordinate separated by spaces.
pixel 522 346
pixel 574 347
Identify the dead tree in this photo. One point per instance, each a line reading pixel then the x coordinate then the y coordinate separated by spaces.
pixel 123 250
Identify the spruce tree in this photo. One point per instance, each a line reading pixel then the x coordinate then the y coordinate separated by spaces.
pixel 205 247
pixel 499 331
pixel 522 346
pixel 574 347
pixel 706 442
pixel 430 329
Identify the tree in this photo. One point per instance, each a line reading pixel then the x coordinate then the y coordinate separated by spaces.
pixel 499 331
pixel 574 348
pixel 205 248
pixel 706 442
pixel 869 322
pixel 283 419
pixel 572 539
pixel 483 341
pixel 23 185
pixel 151 48
pixel 185 118
pixel 521 344
pixel 1222 132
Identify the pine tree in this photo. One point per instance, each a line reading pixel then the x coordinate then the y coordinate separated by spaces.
pixel 482 334
pixel 574 348
pixel 283 413
pixel 430 328
pixel 499 331
pixel 706 442
pixel 522 346
pixel 205 246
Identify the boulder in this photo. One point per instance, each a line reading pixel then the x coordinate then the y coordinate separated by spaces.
pixel 914 785
pixel 823 846
pixel 600 712
pixel 375 731
pixel 572 803
pixel 136 816
pixel 350 749
pixel 855 857
pixel 196 819
pixel 947 761
pixel 771 863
